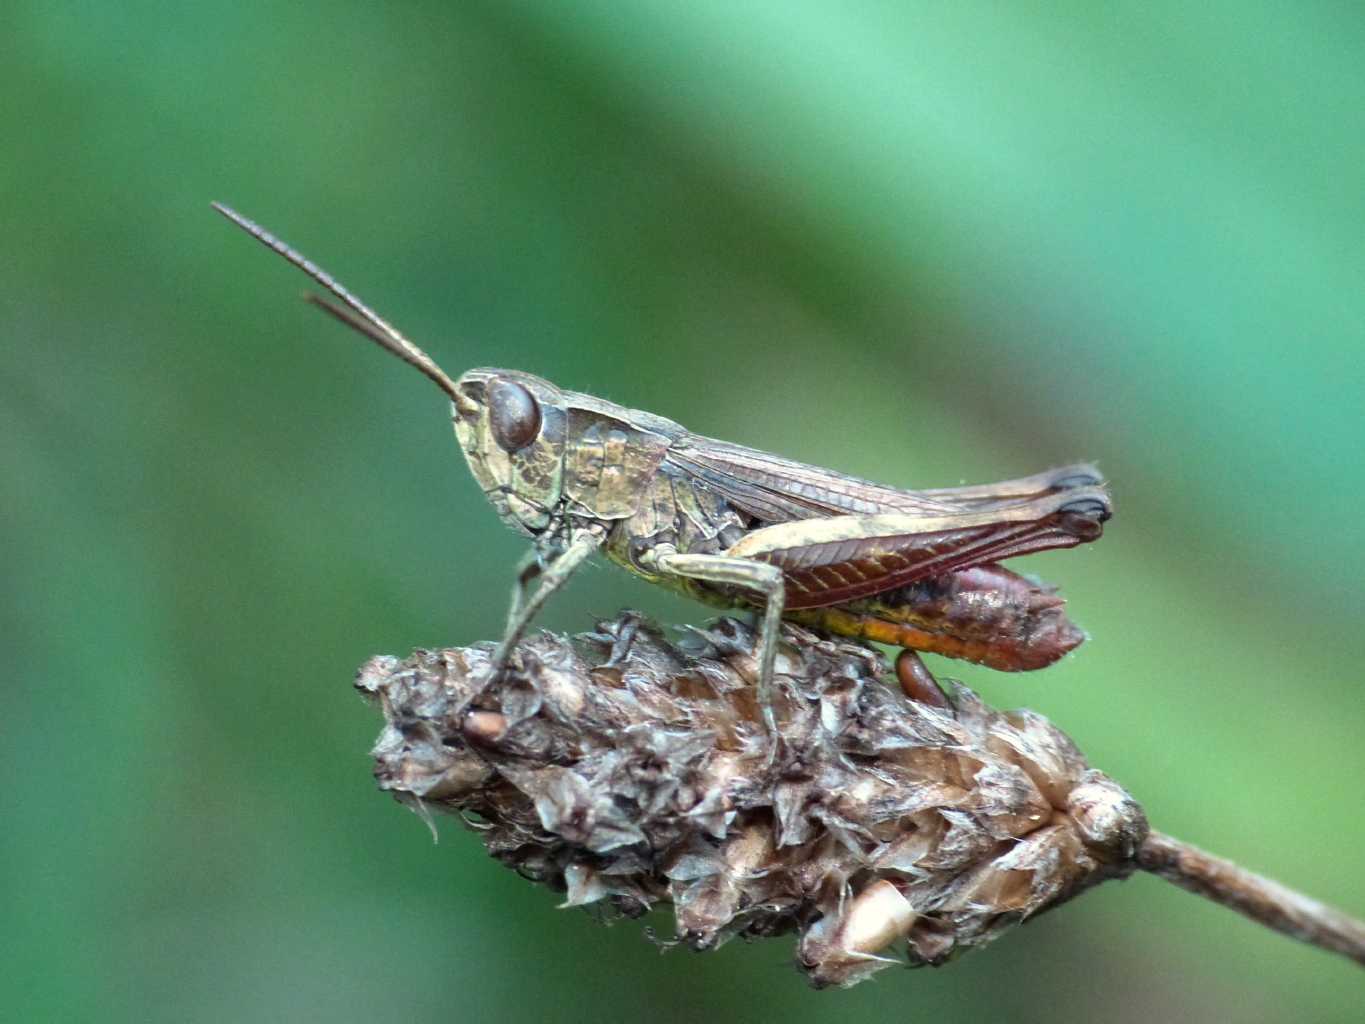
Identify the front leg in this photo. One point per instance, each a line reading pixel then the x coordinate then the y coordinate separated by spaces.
pixel 552 577
pixel 528 569
pixel 751 575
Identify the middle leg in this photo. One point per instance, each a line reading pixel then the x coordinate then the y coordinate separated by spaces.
pixel 750 575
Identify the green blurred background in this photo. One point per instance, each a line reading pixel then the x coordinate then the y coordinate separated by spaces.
pixel 927 243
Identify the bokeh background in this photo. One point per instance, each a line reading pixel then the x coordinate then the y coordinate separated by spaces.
pixel 926 243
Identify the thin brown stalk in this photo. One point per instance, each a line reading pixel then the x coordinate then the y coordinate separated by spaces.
pixel 1267 902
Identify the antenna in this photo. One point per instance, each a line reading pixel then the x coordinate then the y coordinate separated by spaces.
pixel 358 316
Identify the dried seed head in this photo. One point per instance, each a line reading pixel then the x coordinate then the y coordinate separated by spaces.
pixel 627 772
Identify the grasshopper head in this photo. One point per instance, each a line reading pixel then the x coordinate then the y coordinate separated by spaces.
pixel 511 428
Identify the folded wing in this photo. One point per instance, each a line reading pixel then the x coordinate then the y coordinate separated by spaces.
pixel 778 490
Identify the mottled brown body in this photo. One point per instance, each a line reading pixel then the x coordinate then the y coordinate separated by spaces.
pixel 985 614
pixel 731 525
pixel 655 485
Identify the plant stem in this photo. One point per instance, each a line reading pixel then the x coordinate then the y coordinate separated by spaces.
pixel 1260 899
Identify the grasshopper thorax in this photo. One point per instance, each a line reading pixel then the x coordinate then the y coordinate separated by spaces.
pixel 511 428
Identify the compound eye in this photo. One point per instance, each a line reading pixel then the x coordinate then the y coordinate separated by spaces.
pixel 513 414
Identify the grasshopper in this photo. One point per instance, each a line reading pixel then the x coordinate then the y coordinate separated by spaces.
pixel 730 525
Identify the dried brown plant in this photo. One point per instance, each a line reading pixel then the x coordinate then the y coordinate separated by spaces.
pixel 628 772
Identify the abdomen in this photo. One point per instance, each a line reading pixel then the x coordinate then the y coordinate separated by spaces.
pixel 985 614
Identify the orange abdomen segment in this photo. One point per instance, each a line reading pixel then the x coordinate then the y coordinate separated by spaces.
pixel 986 615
